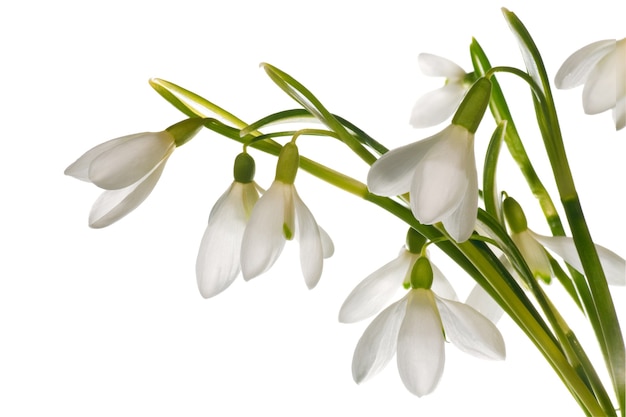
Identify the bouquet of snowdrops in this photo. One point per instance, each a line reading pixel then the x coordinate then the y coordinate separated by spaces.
pixel 433 186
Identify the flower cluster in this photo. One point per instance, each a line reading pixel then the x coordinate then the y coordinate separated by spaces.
pixel 432 185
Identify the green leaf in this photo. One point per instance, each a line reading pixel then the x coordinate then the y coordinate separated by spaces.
pixel 302 95
pixel 491 196
pixel 187 101
pixel 596 298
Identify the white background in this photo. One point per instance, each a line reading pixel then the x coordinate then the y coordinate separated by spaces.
pixel 110 323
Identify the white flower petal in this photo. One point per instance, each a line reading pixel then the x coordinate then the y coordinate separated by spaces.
pixel 371 295
pixel 599 93
pixel 421 354
pixel 112 205
pixel 436 106
pixel 481 301
pixel 470 331
pixel 441 179
pixel 378 344
pixel 441 285
pixel 327 243
pixel 619 113
pixel 392 173
pixel 130 160
pixel 461 222
pixel 436 66
pixel 614 265
pixel 577 67
pixel 80 168
pixel 533 253
pixel 217 264
pixel 263 239
pixel 308 236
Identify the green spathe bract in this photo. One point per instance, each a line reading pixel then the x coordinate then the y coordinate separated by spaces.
pixel 472 108
pixel 514 215
pixel 422 273
pixel 287 165
pixel 244 168
pixel 185 130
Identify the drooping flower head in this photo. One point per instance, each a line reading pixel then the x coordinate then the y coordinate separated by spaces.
pixel 128 168
pixel 218 262
pixel 438 105
pixel 278 216
pixel 601 67
pixel 372 294
pixel 416 327
pixel 532 247
pixel 439 172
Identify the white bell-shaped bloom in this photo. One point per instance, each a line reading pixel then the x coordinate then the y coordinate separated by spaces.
pixel 372 294
pixel 281 215
pixel 416 328
pixel 614 266
pixel 436 106
pixel 128 168
pixel 601 67
pixel 531 246
pixel 218 262
pixel 439 173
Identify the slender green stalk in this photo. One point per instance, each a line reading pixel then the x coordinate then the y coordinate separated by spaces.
pixel 600 304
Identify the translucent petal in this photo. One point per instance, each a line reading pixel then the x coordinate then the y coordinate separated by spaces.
pixel 441 285
pixel 421 354
pixel 80 168
pixel 470 331
pixel 436 106
pixel 308 236
pixel 614 265
pixel 481 301
pixel 327 243
pixel 263 239
pixel 600 89
pixel 619 113
pixel 130 160
pixel 436 66
pixel 112 205
pixel 378 344
pixel 371 294
pixel 461 222
pixel 579 65
pixel 392 173
pixel 441 178
pixel 217 264
pixel 534 254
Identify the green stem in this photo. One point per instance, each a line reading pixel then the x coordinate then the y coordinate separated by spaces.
pixel 599 304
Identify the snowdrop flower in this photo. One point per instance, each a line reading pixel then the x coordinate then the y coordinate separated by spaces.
pixel 128 168
pixel 601 66
pixel 439 172
pixel 281 215
pixel 415 328
pixel 438 105
pixel 373 293
pixel 218 262
pixel 531 246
